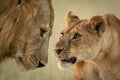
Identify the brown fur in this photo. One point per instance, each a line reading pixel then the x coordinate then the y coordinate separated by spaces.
pixel 86 70
pixel 23 32
pixel 97 39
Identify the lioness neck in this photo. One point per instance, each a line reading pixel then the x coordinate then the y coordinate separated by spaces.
pixel 108 58
pixel 85 70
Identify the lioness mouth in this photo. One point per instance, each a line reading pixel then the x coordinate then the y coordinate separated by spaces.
pixel 71 60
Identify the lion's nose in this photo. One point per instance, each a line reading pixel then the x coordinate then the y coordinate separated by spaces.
pixel 40 65
pixel 59 50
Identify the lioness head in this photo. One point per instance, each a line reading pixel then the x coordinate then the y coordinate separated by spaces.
pixel 82 39
pixel 25 31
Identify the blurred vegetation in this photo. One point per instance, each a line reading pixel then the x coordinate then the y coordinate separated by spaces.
pixel 84 9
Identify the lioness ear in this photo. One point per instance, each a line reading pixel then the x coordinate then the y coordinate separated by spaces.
pixel 96 25
pixel 111 20
pixel 71 19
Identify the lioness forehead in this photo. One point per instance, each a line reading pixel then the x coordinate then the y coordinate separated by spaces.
pixel 77 26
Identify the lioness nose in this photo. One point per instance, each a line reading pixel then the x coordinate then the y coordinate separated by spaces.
pixel 59 50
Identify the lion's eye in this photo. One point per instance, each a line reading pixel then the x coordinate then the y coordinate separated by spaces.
pixel 76 36
pixel 42 31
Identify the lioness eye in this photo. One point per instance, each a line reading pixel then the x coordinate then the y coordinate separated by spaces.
pixel 62 34
pixel 42 31
pixel 76 36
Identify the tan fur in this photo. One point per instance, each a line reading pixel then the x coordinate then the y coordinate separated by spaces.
pixel 86 70
pixel 98 39
pixel 21 35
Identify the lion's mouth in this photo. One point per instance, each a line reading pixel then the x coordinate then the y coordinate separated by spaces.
pixel 70 60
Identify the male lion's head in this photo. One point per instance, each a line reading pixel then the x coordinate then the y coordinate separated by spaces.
pixel 83 39
pixel 25 31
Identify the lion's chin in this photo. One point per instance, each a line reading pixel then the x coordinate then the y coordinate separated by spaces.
pixel 64 65
pixel 23 67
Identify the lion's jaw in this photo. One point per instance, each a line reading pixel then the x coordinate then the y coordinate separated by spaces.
pixel 29 61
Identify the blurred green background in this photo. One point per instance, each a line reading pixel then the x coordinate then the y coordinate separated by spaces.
pixel 84 9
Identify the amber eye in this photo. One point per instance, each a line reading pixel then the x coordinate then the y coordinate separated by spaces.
pixel 42 31
pixel 76 36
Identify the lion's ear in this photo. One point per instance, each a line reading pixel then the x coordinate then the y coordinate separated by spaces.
pixel 96 25
pixel 71 19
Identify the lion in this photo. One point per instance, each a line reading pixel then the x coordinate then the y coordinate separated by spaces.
pixel 25 29
pixel 96 39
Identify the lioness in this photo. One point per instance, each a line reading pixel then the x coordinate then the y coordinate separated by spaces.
pixel 96 39
pixel 86 70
